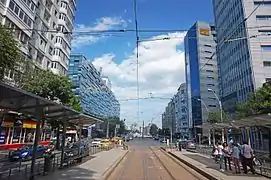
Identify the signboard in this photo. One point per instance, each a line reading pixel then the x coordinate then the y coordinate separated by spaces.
pixel 117 126
pixel 204 32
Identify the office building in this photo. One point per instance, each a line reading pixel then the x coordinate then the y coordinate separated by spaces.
pixel 168 117
pixel 43 29
pixel 97 99
pixel 244 48
pixel 201 73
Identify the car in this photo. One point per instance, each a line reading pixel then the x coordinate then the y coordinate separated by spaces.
pixel 96 142
pixel 105 144
pixel 191 145
pixel 26 152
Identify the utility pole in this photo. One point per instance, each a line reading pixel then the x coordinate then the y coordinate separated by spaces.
pixel 143 129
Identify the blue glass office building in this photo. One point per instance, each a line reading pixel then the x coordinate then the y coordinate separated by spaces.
pixel 201 73
pixel 97 99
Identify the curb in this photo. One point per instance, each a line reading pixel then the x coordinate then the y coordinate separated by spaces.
pixel 111 169
pixel 200 171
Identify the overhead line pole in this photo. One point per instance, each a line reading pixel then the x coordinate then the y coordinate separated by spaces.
pixel 137 61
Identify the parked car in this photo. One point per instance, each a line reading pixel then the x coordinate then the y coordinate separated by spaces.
pixel 26 152
pixel 191 145
pixel 105 144
pixel 96 142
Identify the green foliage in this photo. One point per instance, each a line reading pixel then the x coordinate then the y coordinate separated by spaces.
pixel 260 102
pixel 215 117
pixel 113 121
pixel 9 51
pixel 153 130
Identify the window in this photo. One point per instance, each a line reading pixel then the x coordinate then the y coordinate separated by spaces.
pixel 210 77
pixel 212 105
pixel 263 17
pixel 268 79
pixel 267 63
pixel 209 64
pixel 266 32
pixel 210 84
pixel 267 3
pixel 212 98
pixel 20 13
pixel 209 52
pixel 266 47
pixel 207 45
pixel 209 71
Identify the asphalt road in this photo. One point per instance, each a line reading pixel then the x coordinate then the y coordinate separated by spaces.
pixel 145 163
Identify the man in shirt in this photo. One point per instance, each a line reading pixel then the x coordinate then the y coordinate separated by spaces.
pixel 247 159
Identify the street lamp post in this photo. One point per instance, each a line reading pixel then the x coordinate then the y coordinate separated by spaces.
pixel 209 133
pixel 221 111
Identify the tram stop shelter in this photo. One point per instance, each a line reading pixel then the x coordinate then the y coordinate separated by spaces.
pixel 38 108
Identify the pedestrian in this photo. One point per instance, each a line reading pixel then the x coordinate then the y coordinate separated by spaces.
pixel 220 156
pixel 247 157
pixel 227 155
pixel 215 152
pixel 236 157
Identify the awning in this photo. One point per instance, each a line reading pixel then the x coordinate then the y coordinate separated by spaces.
pixel 18 100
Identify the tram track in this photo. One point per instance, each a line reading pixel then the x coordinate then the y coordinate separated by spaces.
pixel 151 164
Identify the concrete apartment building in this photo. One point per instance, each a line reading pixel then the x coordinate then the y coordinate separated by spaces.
pixel 244 60
pixel 175 115
pixel 182 124
pixel 201 73
pixel 97 99
pixel 43 29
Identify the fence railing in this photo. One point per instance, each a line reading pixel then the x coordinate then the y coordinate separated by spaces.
pixel 21 170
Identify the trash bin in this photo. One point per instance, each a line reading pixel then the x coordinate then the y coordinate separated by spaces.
pixel 48 163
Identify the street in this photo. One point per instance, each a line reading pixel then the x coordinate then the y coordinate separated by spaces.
pixel 143 162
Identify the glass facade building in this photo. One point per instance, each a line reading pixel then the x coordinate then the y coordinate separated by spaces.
pixel 201 72
pixel 244 60
pixel 97 99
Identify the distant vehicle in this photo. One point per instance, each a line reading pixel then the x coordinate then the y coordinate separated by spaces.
pixel 191 145
pixel 96 142
pixel 26 152
pixel 163 140
pixel 131 137
pixel 156 137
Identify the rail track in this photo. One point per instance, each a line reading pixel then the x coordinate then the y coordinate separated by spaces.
pixel 152 164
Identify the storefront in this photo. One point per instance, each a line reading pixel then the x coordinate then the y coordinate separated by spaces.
pixel 14 132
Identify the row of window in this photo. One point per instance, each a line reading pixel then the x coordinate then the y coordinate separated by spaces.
pixel 30 4
pixel 262 3
pixel 266 47
pixel 263 17
pixel 19 34
pixel 20 13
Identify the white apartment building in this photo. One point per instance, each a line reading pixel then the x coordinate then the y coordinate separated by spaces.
pixel 43 29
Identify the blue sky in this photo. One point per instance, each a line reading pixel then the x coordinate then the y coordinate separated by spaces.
pixel 116 54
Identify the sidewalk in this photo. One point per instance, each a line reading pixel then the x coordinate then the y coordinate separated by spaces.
pixel 93 169
pixel 207 165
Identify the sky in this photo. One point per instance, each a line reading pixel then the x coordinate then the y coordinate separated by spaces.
pixel 161 62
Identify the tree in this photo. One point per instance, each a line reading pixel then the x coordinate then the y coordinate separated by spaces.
pixel 153 130
pixel 215 117
pixel 9 51
pixel 258 103
pixel 113 121
pixel 51 86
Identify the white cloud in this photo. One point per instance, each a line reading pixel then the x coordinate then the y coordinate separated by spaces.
pixel 161 71
pixel 88 34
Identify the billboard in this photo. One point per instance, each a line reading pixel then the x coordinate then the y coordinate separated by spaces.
pixel 204 32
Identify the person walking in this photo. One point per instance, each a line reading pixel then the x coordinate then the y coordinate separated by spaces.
pixel 215 152
pixel 247 159
pixel 227 155
pixel 220 156
pixel 236 157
